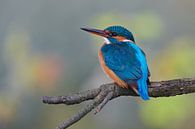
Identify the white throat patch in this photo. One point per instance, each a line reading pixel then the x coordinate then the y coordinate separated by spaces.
pixel 126 40
pixel 106 41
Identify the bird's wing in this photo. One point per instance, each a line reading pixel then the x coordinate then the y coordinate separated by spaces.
pixel 122 61
pixel 149 74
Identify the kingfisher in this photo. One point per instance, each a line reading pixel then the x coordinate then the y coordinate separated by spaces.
pixel 122 60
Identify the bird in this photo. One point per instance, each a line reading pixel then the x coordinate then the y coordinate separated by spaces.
pixel 122 60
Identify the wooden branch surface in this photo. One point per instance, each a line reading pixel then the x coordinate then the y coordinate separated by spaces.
pixel 100 96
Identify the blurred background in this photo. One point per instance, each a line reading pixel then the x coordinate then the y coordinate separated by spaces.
pixel 44 52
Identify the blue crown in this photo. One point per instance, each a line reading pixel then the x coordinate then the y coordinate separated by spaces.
pixel 121 31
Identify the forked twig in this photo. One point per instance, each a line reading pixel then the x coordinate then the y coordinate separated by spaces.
pixel 106 92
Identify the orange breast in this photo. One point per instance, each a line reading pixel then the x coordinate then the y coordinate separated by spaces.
pixel 110 73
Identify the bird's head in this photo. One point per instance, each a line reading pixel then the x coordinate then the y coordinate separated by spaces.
pixel 113 34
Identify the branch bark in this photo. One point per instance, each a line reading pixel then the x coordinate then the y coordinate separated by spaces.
pixel 106 92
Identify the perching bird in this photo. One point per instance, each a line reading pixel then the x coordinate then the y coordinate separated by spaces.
pixel 122 60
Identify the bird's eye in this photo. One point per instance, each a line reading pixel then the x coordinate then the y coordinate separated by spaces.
pixel 114 34
pixel 110 34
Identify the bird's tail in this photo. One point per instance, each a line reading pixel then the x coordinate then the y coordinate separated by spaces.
pixel 143 89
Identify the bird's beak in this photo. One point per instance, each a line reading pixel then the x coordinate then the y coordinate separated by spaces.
pixel 95 31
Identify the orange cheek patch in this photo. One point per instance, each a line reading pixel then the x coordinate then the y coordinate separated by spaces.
pixel 120 38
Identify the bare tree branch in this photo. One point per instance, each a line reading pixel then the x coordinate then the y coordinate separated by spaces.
pixel 106 92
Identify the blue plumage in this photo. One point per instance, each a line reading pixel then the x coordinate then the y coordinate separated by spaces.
pixel 128 62
pixel 142 82
pixel 121 59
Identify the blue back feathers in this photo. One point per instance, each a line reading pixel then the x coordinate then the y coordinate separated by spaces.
pixel 142 82
pixel 121 59
pixel 128 62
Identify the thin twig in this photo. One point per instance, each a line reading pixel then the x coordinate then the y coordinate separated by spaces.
pixel 71 99
pixel 104 102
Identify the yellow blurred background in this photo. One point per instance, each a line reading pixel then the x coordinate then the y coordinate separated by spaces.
pixel 44 52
